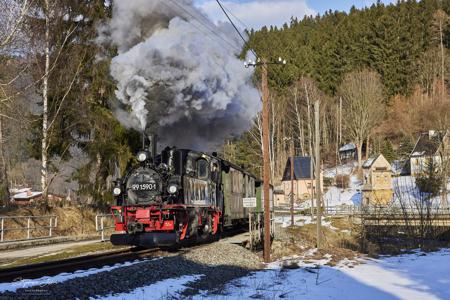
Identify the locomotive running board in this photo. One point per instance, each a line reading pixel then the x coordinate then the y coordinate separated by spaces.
pixel 148 239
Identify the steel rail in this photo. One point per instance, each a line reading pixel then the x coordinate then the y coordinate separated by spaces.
pixel 73 264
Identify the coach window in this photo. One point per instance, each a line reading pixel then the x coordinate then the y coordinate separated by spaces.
pixel 202 169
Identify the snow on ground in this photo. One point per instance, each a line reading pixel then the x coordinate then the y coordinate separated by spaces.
pixel 406 191
pixel 351 196
pixel 345 169
pixel 337 197
pixel 299 220
pixel 409 276
pixel 26 283
pixel 412 276
pixel 404 187
pixel 164 289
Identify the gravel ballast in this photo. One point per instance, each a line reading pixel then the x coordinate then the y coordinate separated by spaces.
pixel 219 263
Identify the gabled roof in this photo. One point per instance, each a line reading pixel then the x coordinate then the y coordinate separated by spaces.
pixel 369 162
pixel 302 168
pixel 347 147
pixel 428 144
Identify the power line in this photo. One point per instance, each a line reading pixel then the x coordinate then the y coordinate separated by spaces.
pixel 203 24
pixel 239 20
pixel 231 21
pixel 234 26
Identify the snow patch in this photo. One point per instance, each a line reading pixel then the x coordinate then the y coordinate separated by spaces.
pixel 46 280
pixel 411 276
pixel 164 289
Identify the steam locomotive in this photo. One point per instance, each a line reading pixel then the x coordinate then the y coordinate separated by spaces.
pixel 180 197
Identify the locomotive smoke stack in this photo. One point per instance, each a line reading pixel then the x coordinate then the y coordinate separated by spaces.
pixel 153 145
pixel 175 80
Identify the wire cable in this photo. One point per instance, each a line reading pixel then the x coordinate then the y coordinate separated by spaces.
pixel 204 25
pixel 235 28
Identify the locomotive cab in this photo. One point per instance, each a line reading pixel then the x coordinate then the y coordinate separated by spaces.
pixel 169 199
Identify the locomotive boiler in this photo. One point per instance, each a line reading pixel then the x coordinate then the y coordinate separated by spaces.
pixel 179 197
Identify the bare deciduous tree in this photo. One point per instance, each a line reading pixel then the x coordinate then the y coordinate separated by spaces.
pixel 12 15
pixel 362 95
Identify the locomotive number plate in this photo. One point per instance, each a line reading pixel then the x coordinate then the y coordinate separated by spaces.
pixel 144 187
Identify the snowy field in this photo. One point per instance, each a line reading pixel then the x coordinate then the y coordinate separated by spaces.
pixel 299 220
pixel 413 276
pixel 404 187
pixel 410 276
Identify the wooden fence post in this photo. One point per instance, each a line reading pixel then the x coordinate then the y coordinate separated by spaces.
pixel 28 228
pixel 50 227
pixel 2 227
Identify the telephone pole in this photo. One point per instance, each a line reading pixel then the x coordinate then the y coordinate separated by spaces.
pixel 266 162
pixel 266 159
pixel 292 181
pixel 317 161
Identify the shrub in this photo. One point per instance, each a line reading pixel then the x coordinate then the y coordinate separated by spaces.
pixel 327 181
pixel 342 181
pixel 430 181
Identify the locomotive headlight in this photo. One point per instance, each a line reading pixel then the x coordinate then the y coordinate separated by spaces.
pixel 117 191
pixel 172 189
pixel 142 156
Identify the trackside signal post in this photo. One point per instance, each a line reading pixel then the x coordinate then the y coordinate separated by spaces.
pixel 266 164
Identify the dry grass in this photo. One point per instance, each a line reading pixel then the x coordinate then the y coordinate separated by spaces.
pixel 298 240
pixel 72 221
pixel 64 254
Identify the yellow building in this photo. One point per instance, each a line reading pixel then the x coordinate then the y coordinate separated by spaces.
pixel 377 188
pixel 304 180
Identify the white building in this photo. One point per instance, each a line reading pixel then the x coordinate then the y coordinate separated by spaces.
pixel 431 146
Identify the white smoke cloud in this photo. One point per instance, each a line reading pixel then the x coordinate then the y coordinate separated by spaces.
pixel 177 78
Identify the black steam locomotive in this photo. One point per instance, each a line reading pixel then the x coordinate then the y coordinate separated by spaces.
pixel 180 196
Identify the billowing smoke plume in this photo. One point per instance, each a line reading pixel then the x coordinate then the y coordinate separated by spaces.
pixel 177 78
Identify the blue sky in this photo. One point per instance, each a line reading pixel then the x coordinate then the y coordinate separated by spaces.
pixel 341 5
pixel 256 13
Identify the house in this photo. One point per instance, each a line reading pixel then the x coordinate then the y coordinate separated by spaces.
pixel 377 181
pixel 347 152
pixel 431 146
pixel 278 197
pixel 25 196
pixel 304 181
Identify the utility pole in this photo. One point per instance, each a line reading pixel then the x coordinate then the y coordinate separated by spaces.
pixel 266 159
pixel 292 181
pixel 311 154
pixel 317 173
pixel 266 162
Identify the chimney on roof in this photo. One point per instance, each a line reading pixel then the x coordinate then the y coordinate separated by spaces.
pixel 431 133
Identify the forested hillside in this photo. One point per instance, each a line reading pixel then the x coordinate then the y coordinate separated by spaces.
pixel 59 131
pixel 404 46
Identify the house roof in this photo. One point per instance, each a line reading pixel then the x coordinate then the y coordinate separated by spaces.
pixel 369 163
pixel 347 147
pixel 27 195
pixel 302 168
pixel 428 143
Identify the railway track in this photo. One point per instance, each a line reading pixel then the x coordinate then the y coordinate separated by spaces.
pixel 73 264
pixel 38 270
